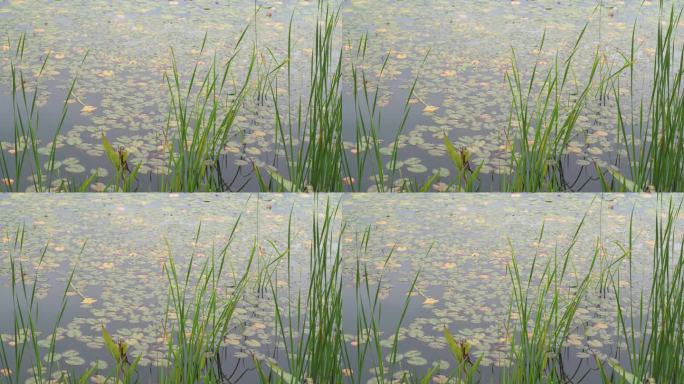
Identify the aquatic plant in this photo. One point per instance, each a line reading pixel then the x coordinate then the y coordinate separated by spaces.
pixel 540 125
pixel 25 348
pixel 544 313
pixel 466 369
pixel 368 149
pixel 467 173
pixel 197 320
pixel 125 177
pixel 311 134
pixel 652 134
pixel 652 331
pixel 369 346
pixel 311 330
pixel 200 118
pixel 24 156
pixel 311 154
pixel 317 316
pixel 201 315
pixel 124 370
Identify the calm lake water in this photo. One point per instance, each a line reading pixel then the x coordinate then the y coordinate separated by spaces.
pixel 461 89
pixel 459 245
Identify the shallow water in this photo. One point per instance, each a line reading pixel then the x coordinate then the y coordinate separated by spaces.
pixel 127 51
pixel 461 89
pixel 462 283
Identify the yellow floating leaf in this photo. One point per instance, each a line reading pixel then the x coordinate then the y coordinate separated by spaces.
pixel 88 300
pixel 88 109
pixel 430 301
pixel 430 108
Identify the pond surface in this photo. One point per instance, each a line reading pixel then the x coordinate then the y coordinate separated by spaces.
pixel 461 89
pixel 460 247
pixel 460 52
pixel 121 90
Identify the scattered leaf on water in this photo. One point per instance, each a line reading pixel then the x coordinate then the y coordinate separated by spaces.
pixel 430 301
pixel 88 300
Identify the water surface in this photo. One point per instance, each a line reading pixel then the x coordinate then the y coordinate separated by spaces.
pixel 459 245
pixel 460 52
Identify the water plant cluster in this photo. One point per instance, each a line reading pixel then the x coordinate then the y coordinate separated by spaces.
pixel 326 305
pixel 315 153
pixel 317 342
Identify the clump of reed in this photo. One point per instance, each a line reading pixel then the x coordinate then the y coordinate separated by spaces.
pixel 25 349
pixel 198 317
pixel 369 154
pixel 541 124
pixel 652 329
pixel 311 331
pixel 200 120
pixel 311 154
pixel 199 123
pixel 369 340
pixel 310 135
pixel 202 313
pixel 544 314
pixel 652 133
pixel 22 157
